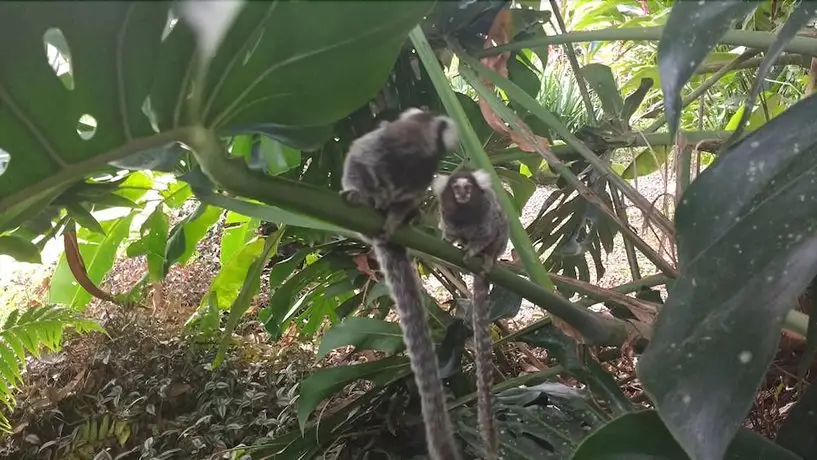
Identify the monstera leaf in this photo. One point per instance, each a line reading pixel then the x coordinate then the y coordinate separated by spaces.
pixel 122 86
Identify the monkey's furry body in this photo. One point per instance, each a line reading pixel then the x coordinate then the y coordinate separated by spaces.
pixel 470 214
pixel 390 168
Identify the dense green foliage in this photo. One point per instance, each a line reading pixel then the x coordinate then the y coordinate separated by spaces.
pixel 243 120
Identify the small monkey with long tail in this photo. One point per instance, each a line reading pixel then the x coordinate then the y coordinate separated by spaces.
pixel 470 214
pixel 390 168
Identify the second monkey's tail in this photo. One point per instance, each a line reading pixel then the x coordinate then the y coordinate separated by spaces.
pixel 480 315
pixel 406 290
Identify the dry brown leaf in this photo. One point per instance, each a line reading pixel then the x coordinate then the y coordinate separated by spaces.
pixel 77 266
pixel 362 264
pixel 499 34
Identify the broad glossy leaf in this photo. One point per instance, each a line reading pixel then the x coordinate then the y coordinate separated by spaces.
pixel 646 162
pixel 176 194
pixel 747 247
pixel 642 435
pixel 195 229
pixel 98 252
pixel 238 229
pixel 798 18
pixel 322 75
pixel 692 30
pixel 155 231
pixel 600 78
pixel 364 334
pixel 230 278
pixel 250 286
pixel 20 249
pixel 325 382
pixel 798 433
pixel 134 186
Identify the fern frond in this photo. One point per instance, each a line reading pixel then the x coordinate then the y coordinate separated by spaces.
pixel 27 332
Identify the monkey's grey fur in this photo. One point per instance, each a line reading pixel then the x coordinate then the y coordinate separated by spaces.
pixel 471 215
pixel 390 168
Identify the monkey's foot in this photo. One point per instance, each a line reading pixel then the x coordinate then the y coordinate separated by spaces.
pixel 352 197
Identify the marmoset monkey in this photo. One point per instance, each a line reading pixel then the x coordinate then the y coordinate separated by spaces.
pixel 470 214
pixel 390 169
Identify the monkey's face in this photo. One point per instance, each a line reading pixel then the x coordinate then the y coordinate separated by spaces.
pixel 462 188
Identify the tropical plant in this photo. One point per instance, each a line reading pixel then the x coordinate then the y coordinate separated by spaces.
pixel 245 110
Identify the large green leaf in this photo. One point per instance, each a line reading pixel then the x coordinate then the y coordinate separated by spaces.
pixel 364 334
pixel 98 252
pixel 250 286
pixel 746 250
pixel 300 65
pixel 195 228
pixel 642 436
pixel 230 278
pixel 692 30
pixel 238 229
pixel 600 78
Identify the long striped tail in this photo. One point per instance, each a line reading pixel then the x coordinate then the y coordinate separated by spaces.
pixel 406 290
pixel 484 358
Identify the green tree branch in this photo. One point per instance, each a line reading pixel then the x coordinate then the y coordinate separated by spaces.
pixel 301 198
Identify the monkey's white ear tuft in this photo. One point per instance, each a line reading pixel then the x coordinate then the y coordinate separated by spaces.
pixel 451 135
pixel 483 179
pixel 439 183
pixel 410 112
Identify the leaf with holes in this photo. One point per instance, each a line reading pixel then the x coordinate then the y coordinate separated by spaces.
pixel 130 75
pixel 747 247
